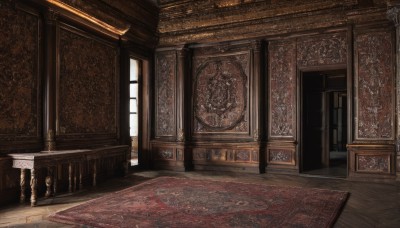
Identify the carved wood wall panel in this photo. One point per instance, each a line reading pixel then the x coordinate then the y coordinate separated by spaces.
pixel 225 155
pixel 164 154
pixel 374 83
pixel 20 115
pixel 322 50
pixel 165 94
pixel 88 85
pixel 282 89
pixel 373 163
pixel 220 94
pixel 371 159
pixel 220 91
pixel 281 156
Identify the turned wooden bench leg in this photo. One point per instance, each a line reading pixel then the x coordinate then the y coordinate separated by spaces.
pixel 33 188
pixel 23 186
pixel 49 182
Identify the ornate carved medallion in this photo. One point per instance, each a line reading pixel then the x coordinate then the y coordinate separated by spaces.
pixel 220 94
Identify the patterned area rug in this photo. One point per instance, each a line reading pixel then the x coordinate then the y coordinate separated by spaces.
pixel 179 202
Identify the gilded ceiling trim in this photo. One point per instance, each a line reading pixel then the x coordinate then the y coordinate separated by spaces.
pixel 87 17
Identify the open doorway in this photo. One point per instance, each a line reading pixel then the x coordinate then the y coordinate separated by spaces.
pixel 324 123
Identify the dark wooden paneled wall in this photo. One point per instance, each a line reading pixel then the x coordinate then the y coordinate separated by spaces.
pixel 20 81
pixel 373 148
pixel 87 88
pixel 20 88
pixel 63 78
pixel 195 115
pixel 245 104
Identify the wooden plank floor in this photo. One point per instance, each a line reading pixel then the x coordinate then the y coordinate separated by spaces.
pixel 369 204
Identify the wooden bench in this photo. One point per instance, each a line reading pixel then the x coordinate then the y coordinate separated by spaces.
pixel 52 159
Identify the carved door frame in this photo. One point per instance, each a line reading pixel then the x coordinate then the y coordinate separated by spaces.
pixel 349 82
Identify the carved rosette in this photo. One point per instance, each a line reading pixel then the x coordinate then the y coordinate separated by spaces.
pixel 165 93
pixel 322 50
pixel 220 94
pixel 88 85
pixel 19 48
pixel 282 88
pixel 375 86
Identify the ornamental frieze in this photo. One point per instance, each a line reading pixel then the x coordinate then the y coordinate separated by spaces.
pixel 322 50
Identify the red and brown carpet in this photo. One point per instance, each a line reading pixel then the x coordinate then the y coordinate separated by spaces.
pixel 179 202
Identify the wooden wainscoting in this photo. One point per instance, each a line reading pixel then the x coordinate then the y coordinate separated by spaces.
pixel 372 161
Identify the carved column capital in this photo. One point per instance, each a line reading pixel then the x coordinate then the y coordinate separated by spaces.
pixel 256 45
pixel 256 135
pixel 393 14
pixel 182 53
pixel 181 135
pixel 51 15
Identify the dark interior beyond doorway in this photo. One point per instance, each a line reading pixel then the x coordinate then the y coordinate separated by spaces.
pixel 324 123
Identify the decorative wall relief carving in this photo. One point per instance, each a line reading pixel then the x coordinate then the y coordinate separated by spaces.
pixel 242 155
pixel 217 154
pixel 282 83
pixel 199 154
pixel 165 93
pixel 87 85
pixel 375 80
pixel 220 95
pixel 225 155
pixel 165 153
pixel 20 115
pixel 280 156
pixel 194 21
pixel 373 163
pixel 322 50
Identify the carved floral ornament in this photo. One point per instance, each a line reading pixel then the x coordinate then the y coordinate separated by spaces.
pixel 220 94
pixel 165 94
pixel 375 86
